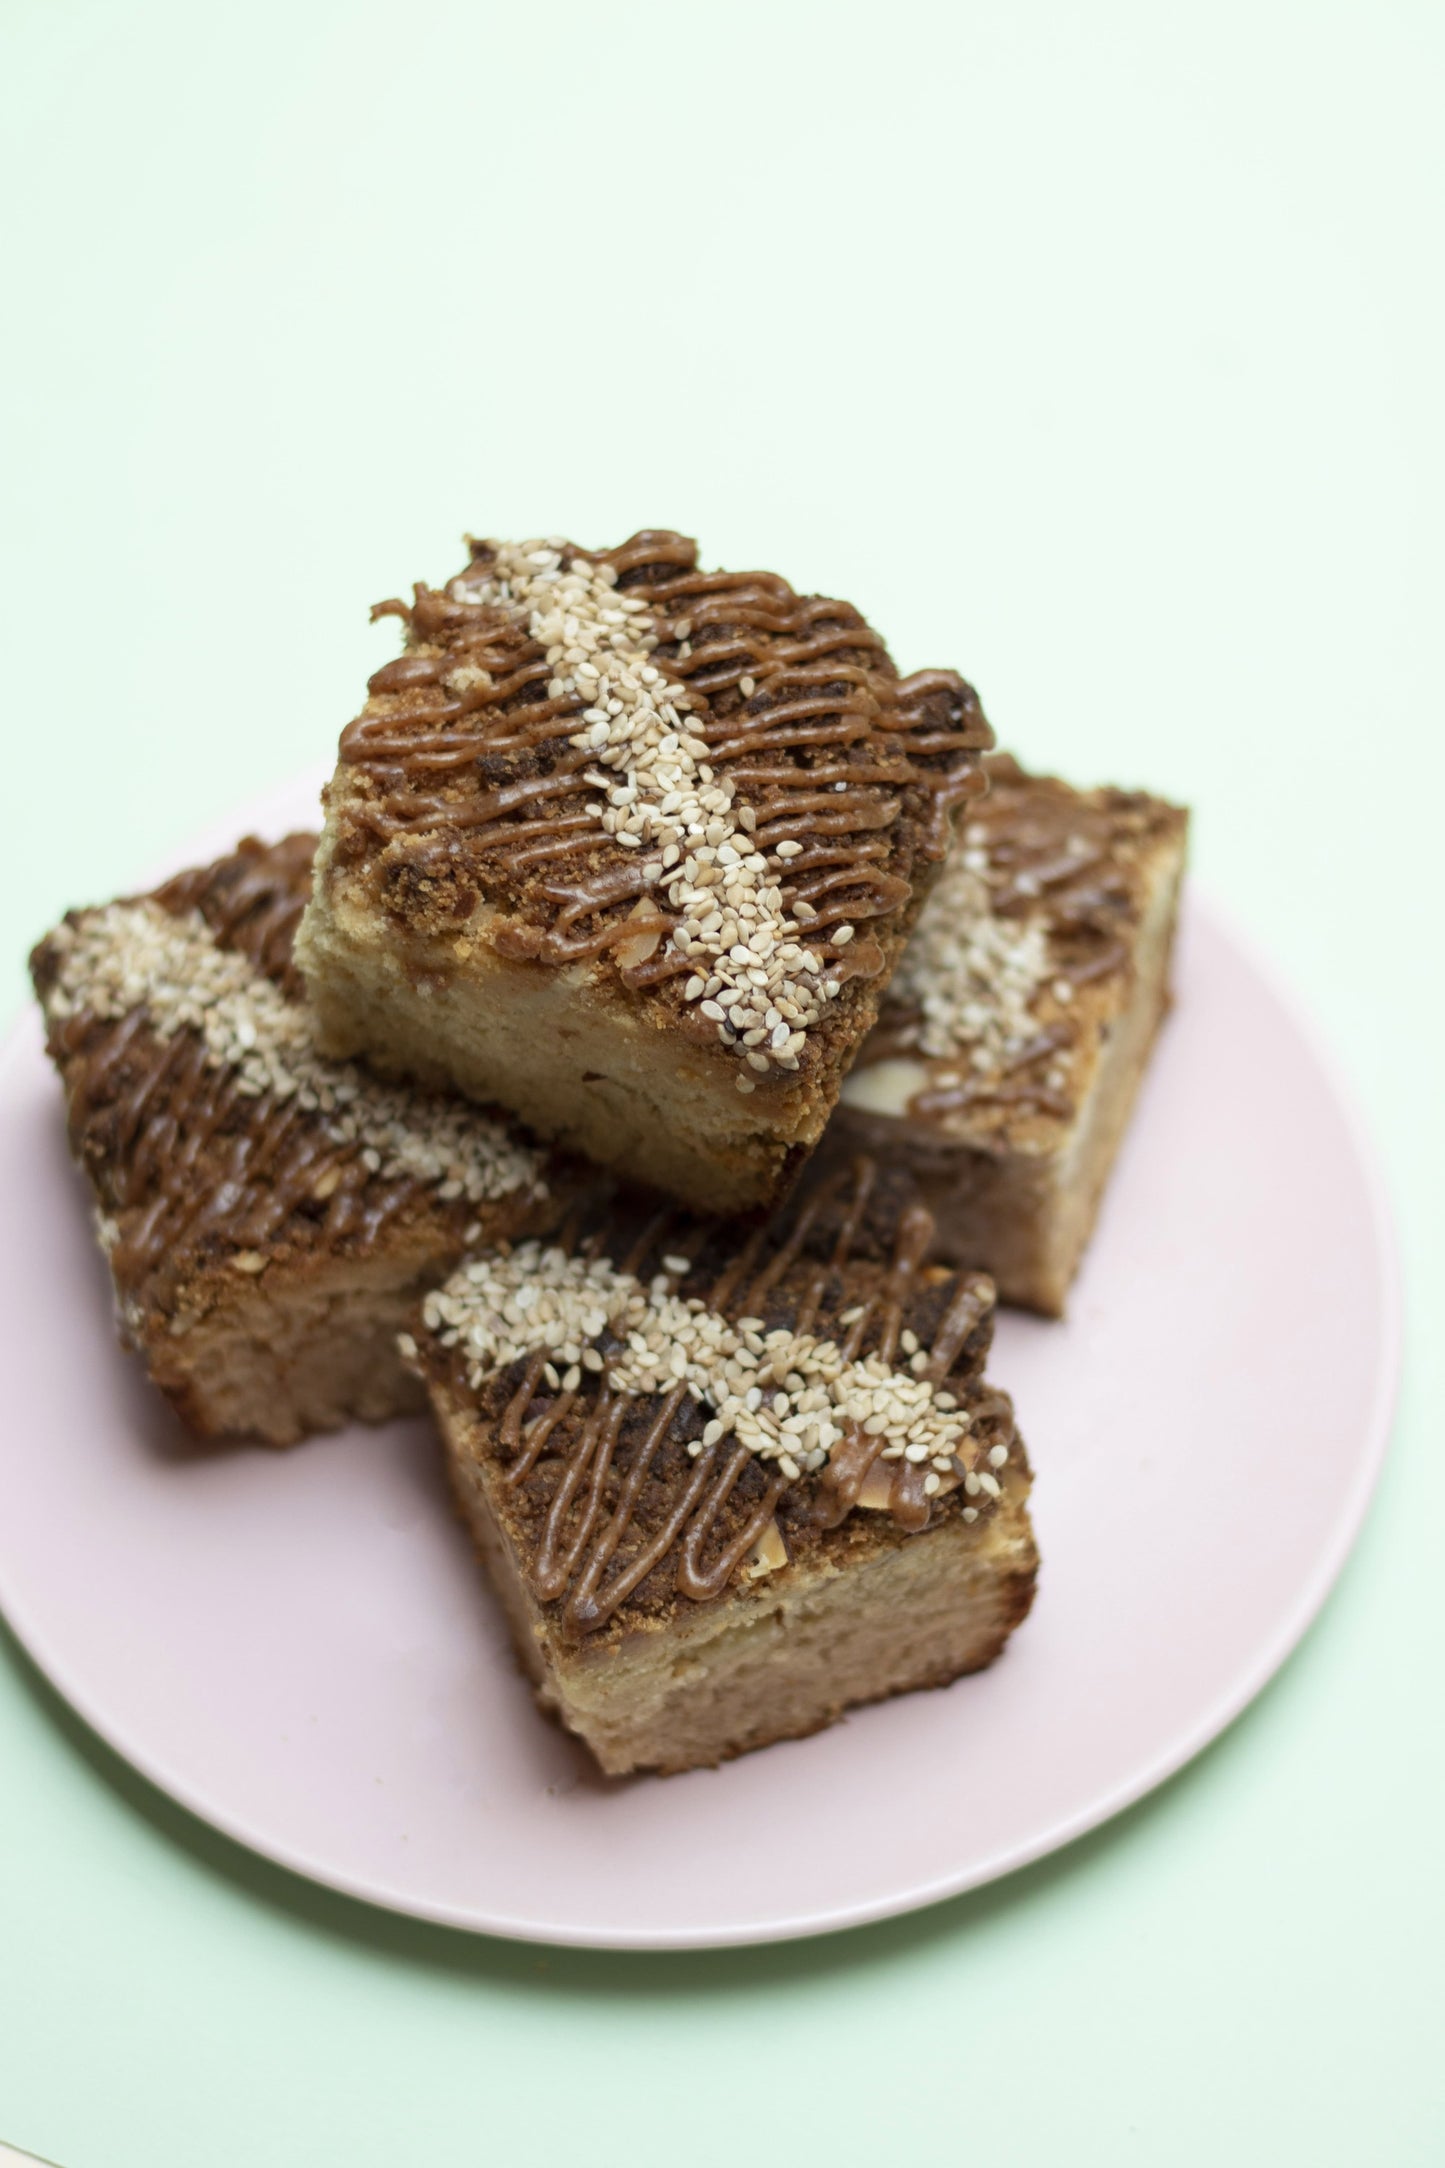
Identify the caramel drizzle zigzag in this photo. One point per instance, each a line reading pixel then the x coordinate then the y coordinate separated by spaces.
pixel 184 1156
pixel 580 1539
pixel 1038 893
pixel 170 1020
pixel 793 663
pixel 252 901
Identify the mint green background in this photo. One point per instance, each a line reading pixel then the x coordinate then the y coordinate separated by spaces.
pixel 1097 350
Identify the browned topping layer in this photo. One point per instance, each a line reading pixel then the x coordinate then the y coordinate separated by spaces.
pixel 211 1130
pixel 252 901
pixel 623 1486
pixel 721 787
pixel 1034 916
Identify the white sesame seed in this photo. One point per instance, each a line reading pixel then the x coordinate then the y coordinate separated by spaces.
pixel 113 959
pixel 973 975
pixel 501 1308
pixel 657 790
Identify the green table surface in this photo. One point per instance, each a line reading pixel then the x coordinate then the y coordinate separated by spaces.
pixel 1097 351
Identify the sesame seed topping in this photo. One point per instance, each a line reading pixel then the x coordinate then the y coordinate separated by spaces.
pixel 661 792
pixel 130 956
pixel 790 1409
pixel 972 975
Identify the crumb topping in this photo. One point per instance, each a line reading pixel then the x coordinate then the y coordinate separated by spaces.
pixel 791 1398
pixel 132 956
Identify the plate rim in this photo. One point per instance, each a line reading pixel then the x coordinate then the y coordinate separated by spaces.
pixel 1108 1802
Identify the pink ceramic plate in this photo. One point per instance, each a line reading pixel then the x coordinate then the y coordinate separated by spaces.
pixel 300 1649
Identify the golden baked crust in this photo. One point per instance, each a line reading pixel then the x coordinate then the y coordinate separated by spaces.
pixel 249 1194
pixel 626 1496
pixel 1014 1034
pixel 709 803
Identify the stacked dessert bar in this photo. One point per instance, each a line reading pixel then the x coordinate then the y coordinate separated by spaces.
pixel 633 849
pixel 512 1093
pixel 1014 1035
pixel 271 1217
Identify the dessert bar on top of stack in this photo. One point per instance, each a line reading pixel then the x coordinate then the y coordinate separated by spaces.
pixel 732 1481
pixel 1015 1032
pixel 633 848
pixel 271 1218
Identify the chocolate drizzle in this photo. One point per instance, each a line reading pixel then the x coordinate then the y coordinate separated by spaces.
pixel 184 1161
pixel 616 1503
pixel 190 1163
pixel 1069 860
pixel 252 901
pixel 464 784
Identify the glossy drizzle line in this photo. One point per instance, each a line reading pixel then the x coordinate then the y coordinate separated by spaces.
pixel 1040 897
pixel 171 1102
pixel 137 957
pixel 801 1403
pixel 750 778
